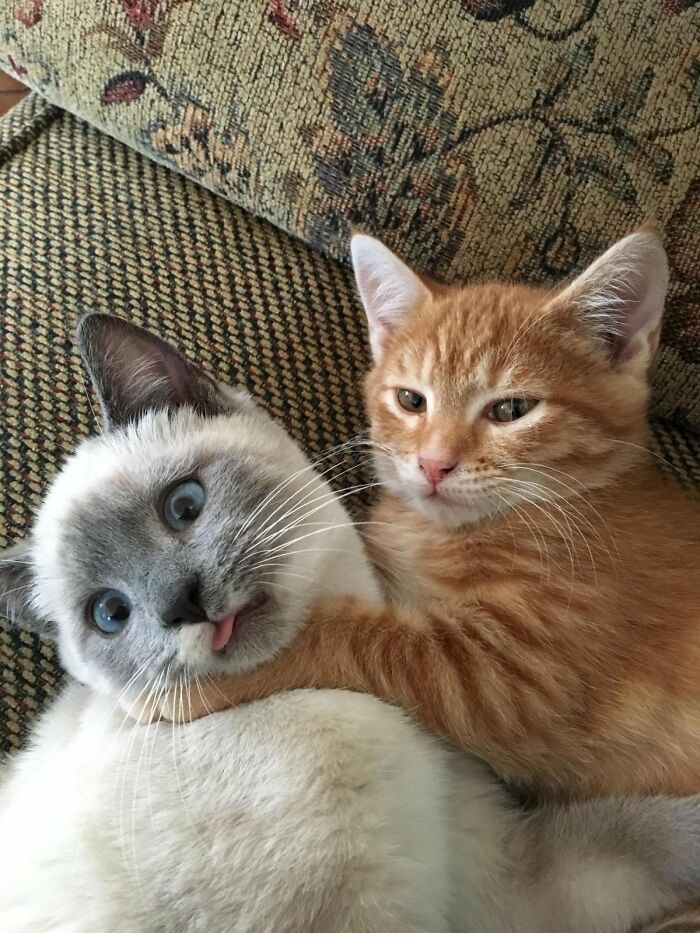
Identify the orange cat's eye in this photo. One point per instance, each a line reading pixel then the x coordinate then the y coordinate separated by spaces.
pixel 510 409
pixel 411 401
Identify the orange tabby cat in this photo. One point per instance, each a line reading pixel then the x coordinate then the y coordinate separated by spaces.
pixel 543 576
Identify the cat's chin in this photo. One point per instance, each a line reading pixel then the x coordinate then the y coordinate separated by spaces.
pixel 449 512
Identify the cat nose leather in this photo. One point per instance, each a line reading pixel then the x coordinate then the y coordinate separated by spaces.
pixel 435 470
pixel 186 608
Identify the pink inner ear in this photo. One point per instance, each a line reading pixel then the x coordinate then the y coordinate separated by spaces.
pixel 369 285
pixel 631 318
pixel 390 291
pixel 637 318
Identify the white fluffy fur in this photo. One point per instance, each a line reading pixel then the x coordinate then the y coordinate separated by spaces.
pixel 315 811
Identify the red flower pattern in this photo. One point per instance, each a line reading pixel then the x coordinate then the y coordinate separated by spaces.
pixel 282 20
pixel 30 12
pixel 141 13
pixel 125 88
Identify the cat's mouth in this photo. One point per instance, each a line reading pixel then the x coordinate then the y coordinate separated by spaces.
pixel 223 630
pixel 436 494
pixel 225 627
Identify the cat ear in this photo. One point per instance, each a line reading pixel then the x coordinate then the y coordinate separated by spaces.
pixel 620 297
pixel 16 592
pixel 389 290
pixel 134 371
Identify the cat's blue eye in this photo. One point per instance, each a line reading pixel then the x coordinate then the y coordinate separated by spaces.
pixel 110 611
pixel 182 504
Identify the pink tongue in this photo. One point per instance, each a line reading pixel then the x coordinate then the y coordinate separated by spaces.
pixel 223 629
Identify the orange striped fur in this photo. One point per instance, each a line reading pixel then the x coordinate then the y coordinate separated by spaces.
pixel 544 609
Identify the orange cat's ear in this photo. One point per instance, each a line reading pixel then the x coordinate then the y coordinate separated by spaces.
pixel 389 290
pixel 620 297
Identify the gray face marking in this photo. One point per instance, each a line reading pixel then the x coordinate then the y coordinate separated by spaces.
pixel 117 539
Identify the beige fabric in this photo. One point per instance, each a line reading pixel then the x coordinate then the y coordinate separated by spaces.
pixel 479 137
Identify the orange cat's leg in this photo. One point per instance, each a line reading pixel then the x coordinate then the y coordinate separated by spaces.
pixel 449 674
pixel 321 656
pixel 540 716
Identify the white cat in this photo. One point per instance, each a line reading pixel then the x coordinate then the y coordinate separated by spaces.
pixel 188 541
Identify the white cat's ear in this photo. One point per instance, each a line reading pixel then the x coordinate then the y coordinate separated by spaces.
pixel 389 290
pixel 620 297
pixel 134 371
pixel 16 592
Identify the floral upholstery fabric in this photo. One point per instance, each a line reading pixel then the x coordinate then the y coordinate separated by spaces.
pixel 480 138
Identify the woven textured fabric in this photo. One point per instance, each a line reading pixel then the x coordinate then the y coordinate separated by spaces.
pixel 478 137
pixel 87 223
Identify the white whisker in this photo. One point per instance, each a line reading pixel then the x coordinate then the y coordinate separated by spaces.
pixel 568 539
pixel 300 522
pixel 326 496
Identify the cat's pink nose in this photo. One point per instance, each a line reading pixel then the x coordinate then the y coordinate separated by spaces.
pixel 435 470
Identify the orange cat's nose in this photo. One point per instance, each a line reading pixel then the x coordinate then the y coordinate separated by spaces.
pixel 435 470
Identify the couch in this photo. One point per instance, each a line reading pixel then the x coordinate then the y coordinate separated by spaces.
pixel 196 165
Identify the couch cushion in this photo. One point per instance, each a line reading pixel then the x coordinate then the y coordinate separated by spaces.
pixel 87 223
pixel 479 137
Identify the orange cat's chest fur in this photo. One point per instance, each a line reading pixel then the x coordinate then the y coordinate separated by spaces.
pixel 595 619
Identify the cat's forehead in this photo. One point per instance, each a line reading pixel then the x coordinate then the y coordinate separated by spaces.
pixel 475 336
pixel 130 469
